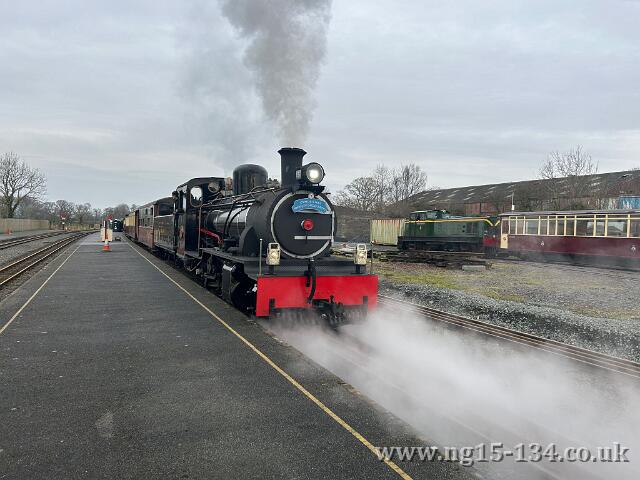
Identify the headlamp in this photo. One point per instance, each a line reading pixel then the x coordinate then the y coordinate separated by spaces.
pixel 311 173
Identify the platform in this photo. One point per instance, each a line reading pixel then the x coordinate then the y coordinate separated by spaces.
pixel 121 367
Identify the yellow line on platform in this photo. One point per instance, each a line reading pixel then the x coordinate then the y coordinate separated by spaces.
pixel 15 315
pixel 289 378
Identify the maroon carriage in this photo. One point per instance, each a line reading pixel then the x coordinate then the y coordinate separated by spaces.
pixel 610 237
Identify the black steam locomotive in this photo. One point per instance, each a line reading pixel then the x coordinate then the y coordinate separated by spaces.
pixel 264 248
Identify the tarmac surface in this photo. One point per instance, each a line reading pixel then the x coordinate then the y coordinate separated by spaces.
pixel 115 365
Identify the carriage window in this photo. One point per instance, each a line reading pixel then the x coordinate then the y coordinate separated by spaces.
pixel 506 226
pixel 532 226
pixel 600 227
pixel 569 227
pixel 519 226
pixel 635 228
pixel 584 228
pixel 543 225
pixel 617 227
pixel 413 216
pixel 552 225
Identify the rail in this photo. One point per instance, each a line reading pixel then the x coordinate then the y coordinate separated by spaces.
pixel 578 354
pixel 23 264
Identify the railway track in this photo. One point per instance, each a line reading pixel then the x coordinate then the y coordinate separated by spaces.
pixel 12 242
pixel 25 263
pixel 578 354
pixel 437 258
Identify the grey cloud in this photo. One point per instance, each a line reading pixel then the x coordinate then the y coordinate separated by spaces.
pixel 124 101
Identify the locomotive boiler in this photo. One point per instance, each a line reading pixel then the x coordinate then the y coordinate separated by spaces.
pixel 265 247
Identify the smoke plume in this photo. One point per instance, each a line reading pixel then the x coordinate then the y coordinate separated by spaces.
pixel 287 45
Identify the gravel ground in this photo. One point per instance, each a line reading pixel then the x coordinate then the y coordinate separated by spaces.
pixel 593 308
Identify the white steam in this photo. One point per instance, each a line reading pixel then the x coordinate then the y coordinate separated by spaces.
pixel 287 45
pixel 462 389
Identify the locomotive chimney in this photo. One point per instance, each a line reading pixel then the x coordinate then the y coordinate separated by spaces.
pixel 291 160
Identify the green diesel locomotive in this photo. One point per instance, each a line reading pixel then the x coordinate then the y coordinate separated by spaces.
pixel 437 230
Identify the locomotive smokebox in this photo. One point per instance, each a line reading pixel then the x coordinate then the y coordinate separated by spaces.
pixel 291 160
pixel 247 177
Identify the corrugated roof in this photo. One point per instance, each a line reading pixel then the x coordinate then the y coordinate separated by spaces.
pixel 482 193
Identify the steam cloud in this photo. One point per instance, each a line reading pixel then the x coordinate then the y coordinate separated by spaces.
pixel 460 390
pixel 287 45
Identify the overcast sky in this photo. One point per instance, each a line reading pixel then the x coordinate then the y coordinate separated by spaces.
pixel 121 101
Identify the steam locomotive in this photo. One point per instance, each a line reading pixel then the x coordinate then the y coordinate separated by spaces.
pixel 263 247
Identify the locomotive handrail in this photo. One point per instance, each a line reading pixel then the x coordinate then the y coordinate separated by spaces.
pixel 464 220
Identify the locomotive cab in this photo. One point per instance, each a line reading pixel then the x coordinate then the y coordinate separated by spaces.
pixel 189 199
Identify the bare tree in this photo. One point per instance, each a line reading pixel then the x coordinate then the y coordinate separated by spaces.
pixel 65 209
pixel 370 193
pixel 381 182
pixel 406 181
pixel 359 193
pixel 97 215
pixel 383 187
pixel 83 213
pixel 119 211
pixel 567 177
pixel 18 181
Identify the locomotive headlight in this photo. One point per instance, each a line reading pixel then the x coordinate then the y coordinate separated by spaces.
pixel 311 173
pixel 360 254
pixel 273 254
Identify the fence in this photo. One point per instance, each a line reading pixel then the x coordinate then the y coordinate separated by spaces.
pixel 22 224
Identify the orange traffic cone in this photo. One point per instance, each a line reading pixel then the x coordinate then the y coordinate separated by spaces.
pixel 106 247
